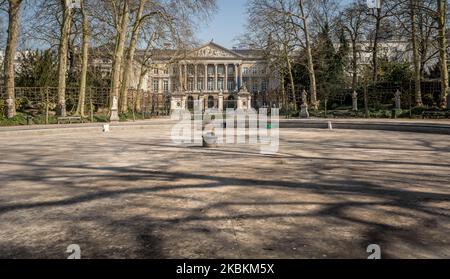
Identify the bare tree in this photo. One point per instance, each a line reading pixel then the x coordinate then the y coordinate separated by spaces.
pixel 62 57
pixel 10 53
pixel 84 59
pixel 352 20
pixel 441 9
pixel 121 25
pixel 380 16
pixel 415 47
pixel 311 72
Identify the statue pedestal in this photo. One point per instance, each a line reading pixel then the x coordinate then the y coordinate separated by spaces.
pixel 244 99
pixel 114 116
pixel 304 111
pixel 178 101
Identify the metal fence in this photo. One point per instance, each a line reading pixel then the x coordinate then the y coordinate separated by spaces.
pixel 37 100
pixel 379 96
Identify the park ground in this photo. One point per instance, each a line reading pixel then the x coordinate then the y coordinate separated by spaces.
pixel 132 193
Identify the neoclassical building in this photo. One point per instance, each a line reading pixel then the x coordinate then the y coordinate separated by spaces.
pixel 215 76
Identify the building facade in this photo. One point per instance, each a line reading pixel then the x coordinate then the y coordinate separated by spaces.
pixel 214 76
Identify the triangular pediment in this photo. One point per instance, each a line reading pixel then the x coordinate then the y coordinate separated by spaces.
pixel 212 50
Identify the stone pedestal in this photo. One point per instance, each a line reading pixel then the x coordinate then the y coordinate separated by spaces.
pixel 244 99
pixel 355 101
pixel 177 101
pixel 304 111
pixel 114 111
pixel 201 102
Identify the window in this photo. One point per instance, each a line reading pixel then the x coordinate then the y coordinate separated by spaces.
pixel 254 70
pixel 166 71
pixel 264 86
pixel 221 70
pixel 220 84
pixel 155 85
pixel 230 84
pixel 191 70
pixel 211 70
pixel 155 71
pixel 166 86
pixel 200 85
pixel 210 84
pixel 190 84
pixel 255 86
pixel 230 70
pixel 245 71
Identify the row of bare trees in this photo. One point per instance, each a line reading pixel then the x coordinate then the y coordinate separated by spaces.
pixel 117 27
pixel 289 29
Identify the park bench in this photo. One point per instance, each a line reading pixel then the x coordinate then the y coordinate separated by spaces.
pixel 70 119
pixel 435 114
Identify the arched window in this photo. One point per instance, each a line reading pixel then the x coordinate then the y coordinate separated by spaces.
pixel 210 102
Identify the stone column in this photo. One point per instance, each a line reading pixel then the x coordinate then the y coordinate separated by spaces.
pixel 216 78
pixel 185 77
pixel 180 78
pixel 221 100
pixel 236 76
pixel 205 89
pixel 201 100
pixel 195 78
pixel 240 74
pixel 226 78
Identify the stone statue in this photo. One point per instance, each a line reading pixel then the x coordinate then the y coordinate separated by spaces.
pixel 304 97
pixel 114 110
pixel 355 101
pixel 115 104
pixel 398 104
pixel 304 113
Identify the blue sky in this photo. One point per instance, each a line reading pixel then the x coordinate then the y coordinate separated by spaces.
pixel 227 23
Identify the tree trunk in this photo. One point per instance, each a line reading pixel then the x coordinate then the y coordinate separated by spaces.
pixel 10 53
pixel 283 90
pixel 62 59
pixel 375 46
pixel 138 103
pixel 354 66
pixel 121 30
pixel 84 62
pixel 443 53
pixel 312 75
pixel 417 72
pixel 291 77
pixel 128 67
